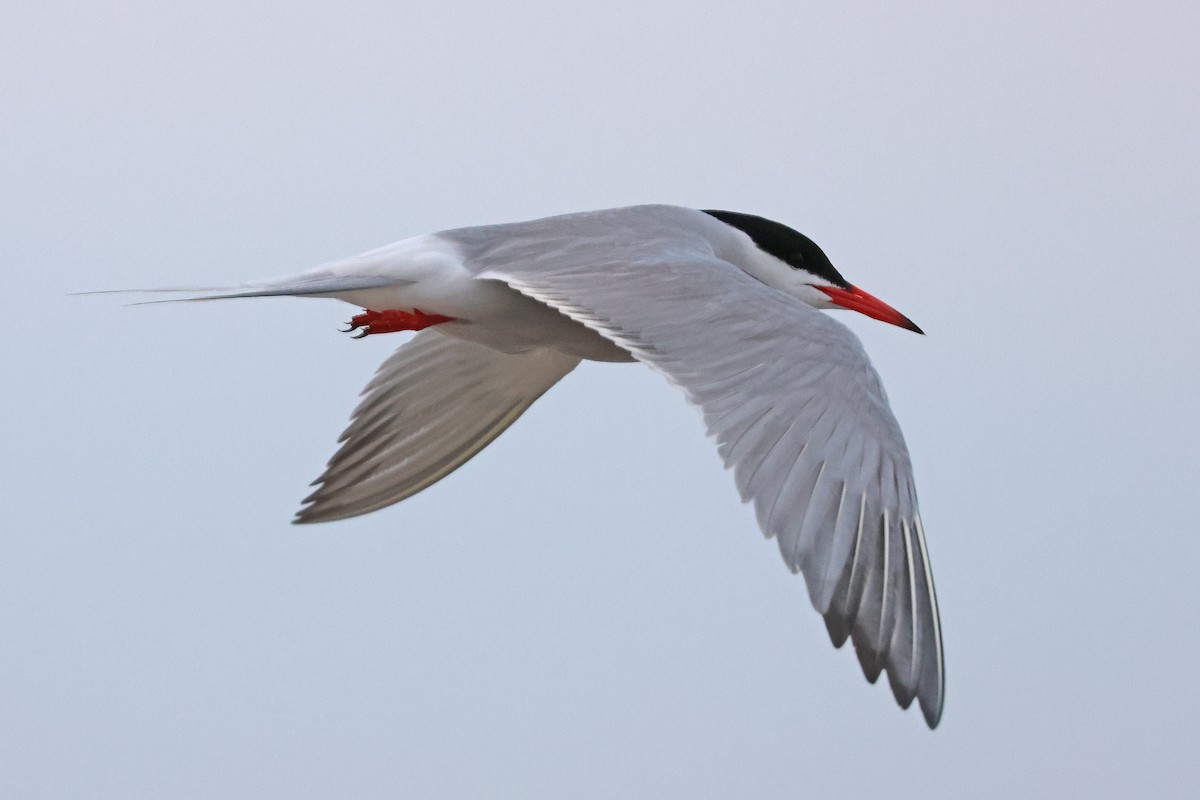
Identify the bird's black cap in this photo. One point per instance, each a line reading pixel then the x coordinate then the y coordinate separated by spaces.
pixel 790 246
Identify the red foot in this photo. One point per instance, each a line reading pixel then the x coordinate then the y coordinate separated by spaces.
pixel 393 320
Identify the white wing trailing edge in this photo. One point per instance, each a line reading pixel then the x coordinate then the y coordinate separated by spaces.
pixel 435 403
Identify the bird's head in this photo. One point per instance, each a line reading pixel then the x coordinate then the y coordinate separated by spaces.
pixel 793 263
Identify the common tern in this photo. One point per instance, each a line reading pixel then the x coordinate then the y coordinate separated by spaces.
pixel 727 307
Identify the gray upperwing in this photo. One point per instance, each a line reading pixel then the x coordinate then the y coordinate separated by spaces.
pixel 799 415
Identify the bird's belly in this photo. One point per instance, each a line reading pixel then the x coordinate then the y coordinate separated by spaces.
pixel 567 337
pixel 512 322
pixel 489 312
pixel 430 277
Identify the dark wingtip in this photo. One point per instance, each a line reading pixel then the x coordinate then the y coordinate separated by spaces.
pixel 838 628
pixel 904 694
pixel 933 713
pixel 305 515
pixel 871 664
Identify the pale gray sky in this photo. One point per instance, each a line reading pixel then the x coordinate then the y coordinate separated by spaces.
pixel 586 610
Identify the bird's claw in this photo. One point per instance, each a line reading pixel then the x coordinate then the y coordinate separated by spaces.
pixel 362 321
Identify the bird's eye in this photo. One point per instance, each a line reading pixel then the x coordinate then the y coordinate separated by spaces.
pixel 796 261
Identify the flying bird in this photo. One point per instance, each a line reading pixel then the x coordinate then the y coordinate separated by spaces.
pixel 727 306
